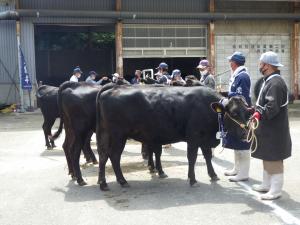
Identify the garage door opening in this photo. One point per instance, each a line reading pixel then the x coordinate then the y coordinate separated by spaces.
pixel 60 48
pixel 187 66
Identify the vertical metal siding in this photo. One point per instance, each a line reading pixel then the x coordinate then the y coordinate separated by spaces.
pixel 27 45
pixel 8 47
pixel 165 6
pixel 256 6
pixel 68 4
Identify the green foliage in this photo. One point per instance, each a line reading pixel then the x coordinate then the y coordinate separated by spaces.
pixel 74 41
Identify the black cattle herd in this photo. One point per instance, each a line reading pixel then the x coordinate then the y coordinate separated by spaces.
pixel 154 115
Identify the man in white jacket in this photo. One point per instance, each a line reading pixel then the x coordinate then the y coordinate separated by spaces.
pixel 76 74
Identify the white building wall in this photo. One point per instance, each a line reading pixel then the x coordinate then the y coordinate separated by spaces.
pixel 253 39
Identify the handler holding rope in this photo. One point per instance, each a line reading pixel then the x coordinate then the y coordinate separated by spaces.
pixel 273 133
pixel 239 84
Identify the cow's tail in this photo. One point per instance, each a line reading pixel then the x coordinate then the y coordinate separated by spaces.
pixel 59 105
pixel 98 117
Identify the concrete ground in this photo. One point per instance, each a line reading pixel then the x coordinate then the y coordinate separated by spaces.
pixel 35 187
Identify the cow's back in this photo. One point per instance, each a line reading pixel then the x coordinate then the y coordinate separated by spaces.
pixel 47 100
pixel 159 114
pixel 78 105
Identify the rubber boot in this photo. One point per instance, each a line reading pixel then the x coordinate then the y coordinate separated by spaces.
pixel 244 166
pixel 234 170
pixel 275 188
pixel 265 185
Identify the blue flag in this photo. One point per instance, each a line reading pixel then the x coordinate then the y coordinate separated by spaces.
pixel 24 75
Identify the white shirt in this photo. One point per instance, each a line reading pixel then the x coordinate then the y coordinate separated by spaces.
pixel 74 78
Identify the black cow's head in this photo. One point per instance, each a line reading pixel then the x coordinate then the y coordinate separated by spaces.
pixel 236 114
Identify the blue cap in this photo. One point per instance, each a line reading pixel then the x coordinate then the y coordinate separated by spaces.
pixel 162 65
pixel 237 57
pixel 176 73
pixel 93 73
pixel 77 70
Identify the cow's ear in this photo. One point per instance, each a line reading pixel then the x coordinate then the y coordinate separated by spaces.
pixel 217 107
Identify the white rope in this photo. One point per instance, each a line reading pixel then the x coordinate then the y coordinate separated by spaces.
pixel 251 137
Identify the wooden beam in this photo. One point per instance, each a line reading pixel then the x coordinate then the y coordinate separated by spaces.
pixel 119 41
pixel 295 59
pixel 211 30
pixel 119 47
pixel 295 53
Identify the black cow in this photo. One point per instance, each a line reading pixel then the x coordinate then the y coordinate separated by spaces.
pixel 157 116
pixel 76 102
pixel 47 101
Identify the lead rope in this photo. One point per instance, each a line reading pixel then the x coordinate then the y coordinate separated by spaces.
pixel 251 137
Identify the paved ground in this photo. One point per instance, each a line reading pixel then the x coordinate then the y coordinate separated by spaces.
pixel 35 188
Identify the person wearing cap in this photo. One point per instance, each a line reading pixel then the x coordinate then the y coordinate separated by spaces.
pixel 162 76
pixel 91 78
pixel 119 79
pixel 239 85
pixel 176 78
pixel 206 79
pixel 76 74
pixel 273 132
pixel 137 77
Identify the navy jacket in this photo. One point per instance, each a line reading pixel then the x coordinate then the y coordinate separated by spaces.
pixel 240 86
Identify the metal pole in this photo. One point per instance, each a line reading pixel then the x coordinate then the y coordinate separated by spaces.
pixel 20 69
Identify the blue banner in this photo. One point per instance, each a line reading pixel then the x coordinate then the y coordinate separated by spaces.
pixel 24 75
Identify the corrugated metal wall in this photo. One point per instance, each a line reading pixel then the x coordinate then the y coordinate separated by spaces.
pixel 8 57
pixel 8 43
pixel 68 4
pixel 165 6
pixel 252 6
pixel 27 45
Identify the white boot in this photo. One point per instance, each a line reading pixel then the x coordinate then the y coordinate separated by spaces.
pixel 244 166
pixel 265 185
pixel 275 189
pixel 235 168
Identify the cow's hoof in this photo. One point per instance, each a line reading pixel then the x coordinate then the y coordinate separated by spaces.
pixel 104 187
pixel 54 146
pixel 152 169
pixel 73 177
pixel 49 148
pixel 125 185
pixel 193 183
pixel 88 161
pixel 95 162
pixel 82 183
pixel 214 178
pixel 163 175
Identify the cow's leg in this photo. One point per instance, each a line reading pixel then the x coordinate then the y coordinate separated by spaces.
pixel 192 152
pixel 66 146
pixel 118 144
pixel 144 151
pixel 76 150
pixel 161 173
pixel 87 150
pixel 46 133
pixel 207 153
pixel 151 166
pixel 102 148
pixel 50 125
